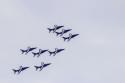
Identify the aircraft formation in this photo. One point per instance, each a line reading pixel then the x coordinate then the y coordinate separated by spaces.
pixel 39 52
pixel 63 31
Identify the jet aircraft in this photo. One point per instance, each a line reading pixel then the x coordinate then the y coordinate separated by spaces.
pixel 55 52
pixel 63 32
pixel 56 27
pixel 43 65
pixel 39 53
pixel 21 68
pixel 70 37
pixel 28 50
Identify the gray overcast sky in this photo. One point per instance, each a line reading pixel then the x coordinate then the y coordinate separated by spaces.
pixel 96 56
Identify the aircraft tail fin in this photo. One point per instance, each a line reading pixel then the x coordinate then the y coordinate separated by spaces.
pixel 22 51
pixel 36 67
pixel 49 30
pixel 57 33
pixel 34 54
pixel 14 71
pixel 64 38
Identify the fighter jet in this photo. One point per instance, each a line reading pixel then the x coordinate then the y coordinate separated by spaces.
pixel 70 37
pixel 56 27
pixel 21 68
pixel 28 50
pixel 63 32
pixel 43 65
pixel 39 53
pixel 56 51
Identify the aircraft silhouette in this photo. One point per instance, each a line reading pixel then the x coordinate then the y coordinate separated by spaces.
pixel 28 50
pixel 43 65
pixel 63 32
pixel 21 68
pixel 39 53
pixel 55 52
pixel 70 37
pixel 56 27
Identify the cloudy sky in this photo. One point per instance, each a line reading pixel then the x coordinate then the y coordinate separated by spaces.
pixel 96 56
